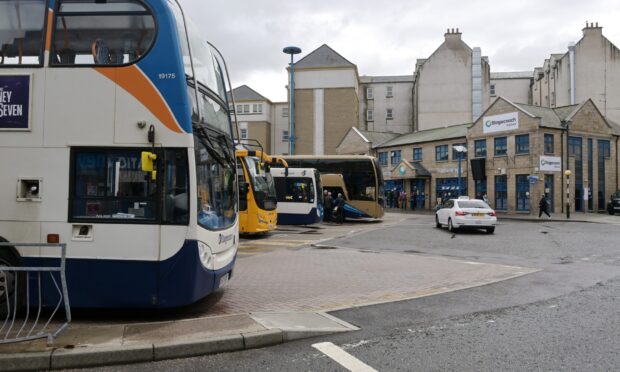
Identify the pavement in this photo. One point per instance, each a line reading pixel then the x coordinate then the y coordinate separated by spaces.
pixel 283 288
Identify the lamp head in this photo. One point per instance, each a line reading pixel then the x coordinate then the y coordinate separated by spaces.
pixel 291 50
pixel 567 173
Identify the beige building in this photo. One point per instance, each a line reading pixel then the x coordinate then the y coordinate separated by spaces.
pixel 254 115
pixel 326 101
pixel 590 69
pixel 451 86
pixel 515 86
pixel 385 103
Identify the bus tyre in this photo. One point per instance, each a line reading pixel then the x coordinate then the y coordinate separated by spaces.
pixel 451 227
pixel 8 281
pixel 490 230
pixel 437 224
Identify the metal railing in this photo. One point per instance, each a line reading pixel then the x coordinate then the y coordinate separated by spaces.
pixel 21 303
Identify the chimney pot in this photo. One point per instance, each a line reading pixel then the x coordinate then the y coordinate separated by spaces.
pixel 447 30
pixel 596 24
pixel 457 30
pixel 586 24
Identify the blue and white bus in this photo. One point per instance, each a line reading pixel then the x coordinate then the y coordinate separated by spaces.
pixel 89 87
pixel 300 199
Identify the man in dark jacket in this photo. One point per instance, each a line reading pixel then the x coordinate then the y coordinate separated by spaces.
pixel 329 206
pixel 543 206
pixel 339 208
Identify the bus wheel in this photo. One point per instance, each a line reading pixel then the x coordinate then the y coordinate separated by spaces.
pixel 10 281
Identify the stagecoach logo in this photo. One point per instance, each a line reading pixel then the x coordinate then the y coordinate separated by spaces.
pixel 226 238
pixel 550 163
pixel 14 102
pixel 402 169
pixel 500 123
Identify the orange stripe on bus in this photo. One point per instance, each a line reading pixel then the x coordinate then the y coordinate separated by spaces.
pixel 48 36
pixel 135 83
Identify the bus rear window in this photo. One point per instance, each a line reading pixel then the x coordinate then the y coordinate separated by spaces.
pixel 92 32
pixel 111 185
pixel 21 32
pixel 294 189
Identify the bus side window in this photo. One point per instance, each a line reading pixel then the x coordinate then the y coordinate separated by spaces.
pixel 21 31
pixel 176 187
pixel 92 32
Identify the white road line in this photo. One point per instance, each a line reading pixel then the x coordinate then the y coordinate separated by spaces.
pixel 343 358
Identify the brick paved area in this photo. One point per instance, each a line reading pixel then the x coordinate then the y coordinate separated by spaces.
pixel 310 279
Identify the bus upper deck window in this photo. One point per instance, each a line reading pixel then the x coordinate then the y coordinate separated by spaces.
pixel 21 32
pixel 90 32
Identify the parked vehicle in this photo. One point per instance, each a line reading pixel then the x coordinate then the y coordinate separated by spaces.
pixel 613 205
pixel 466 213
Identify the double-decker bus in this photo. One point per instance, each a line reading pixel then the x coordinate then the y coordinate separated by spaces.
pixel 90 92
pixel 300 199
pixel 362 178
pixel 257 191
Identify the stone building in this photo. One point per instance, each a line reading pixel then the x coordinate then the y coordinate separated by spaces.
pixel 451 86
pixel 254 115
pixel 385 103
pixel 361 142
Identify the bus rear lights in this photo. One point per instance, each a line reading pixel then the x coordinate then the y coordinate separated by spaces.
pixel 29 189
pixel 53 238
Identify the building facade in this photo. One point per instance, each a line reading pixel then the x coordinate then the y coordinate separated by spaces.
pixel 385 104
pixel 254 116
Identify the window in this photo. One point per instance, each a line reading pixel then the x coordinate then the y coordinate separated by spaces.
pixel 492 89
pixel 216 186
pixel 459 155
pixel 110 185
pixel 294 189
pixel 417 154
pixel 285 136
pixel 441 153
pixel 175 208
pixel 501 192
pixel 388 92
pixel 370 115
pixel 480 148
pixel 244 133
pixel 257 108
pixel 246 109
pixel 523 188
pixel 522 144
pixel 501 146
pixel 92 32
pixel 389 114
pixel 395 158
pixel 285 112
pixel 549 148
pixel 239 109
pixel 369 94
pixel 383 158
pixel 21 35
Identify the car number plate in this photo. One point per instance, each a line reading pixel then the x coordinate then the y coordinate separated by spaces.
pixel 478 214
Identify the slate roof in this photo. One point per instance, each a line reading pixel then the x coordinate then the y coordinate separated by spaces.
pixel 377 138
pixel 550 117
pixel 429 135
pixel 245 93
pixel 323 56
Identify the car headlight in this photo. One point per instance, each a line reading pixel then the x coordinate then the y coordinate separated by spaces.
pixel 206 256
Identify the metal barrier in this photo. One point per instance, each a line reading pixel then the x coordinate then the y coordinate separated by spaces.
pixel 17 324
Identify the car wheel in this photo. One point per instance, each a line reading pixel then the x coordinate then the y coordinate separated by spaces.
pixel 490 230
pixel 451 227
pixel 10 282
pixel 437 224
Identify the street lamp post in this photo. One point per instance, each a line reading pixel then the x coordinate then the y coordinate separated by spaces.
pixel 292 50
pixel 461 150
pixel 567 173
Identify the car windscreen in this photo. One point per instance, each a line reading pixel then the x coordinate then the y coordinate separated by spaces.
pixel 479 204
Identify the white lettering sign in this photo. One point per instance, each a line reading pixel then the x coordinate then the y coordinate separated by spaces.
pixel 550 164
pixel 500 123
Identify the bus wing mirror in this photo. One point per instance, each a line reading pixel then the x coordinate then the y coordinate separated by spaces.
pixel 243 188
pixel 148 158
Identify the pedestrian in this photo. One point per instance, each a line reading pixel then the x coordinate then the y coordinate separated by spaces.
pixel 543 206
pixel 403 200
pixel 329 206
pixel 414 199
pixel 485 198
pixel 339 208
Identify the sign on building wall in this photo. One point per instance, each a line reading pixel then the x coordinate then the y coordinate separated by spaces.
pixel 550 164
pixel 14 102
pixel 500 123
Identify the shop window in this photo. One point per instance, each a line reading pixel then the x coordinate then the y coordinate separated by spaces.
pixel 92 32
pixel 501 192
pixel 523 188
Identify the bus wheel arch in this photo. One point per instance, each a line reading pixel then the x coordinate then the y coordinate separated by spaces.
pixel 10 257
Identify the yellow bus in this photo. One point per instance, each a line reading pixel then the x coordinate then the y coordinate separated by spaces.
pixel 257 193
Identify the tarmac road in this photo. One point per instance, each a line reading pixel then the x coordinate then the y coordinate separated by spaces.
pixel 564 317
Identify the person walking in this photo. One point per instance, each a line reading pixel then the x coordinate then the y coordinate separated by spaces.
pixel 403 200
pixel 543 206
pixel 329 206
pixel 339 208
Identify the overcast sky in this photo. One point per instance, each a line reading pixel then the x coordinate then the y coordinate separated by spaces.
pixel 386 37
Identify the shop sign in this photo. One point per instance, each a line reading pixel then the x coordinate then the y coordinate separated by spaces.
pixel 500 123
pixel 550 164
pixel 14 102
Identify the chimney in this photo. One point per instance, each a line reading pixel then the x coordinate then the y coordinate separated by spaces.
pixel 592 29
pixel 452 34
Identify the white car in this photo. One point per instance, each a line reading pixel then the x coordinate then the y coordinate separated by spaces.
pixel 466 213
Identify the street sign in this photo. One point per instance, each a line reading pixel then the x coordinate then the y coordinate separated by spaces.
pixel 533 179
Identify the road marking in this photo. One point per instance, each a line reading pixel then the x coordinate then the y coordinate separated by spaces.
pixel 279 243
pixel 343 358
